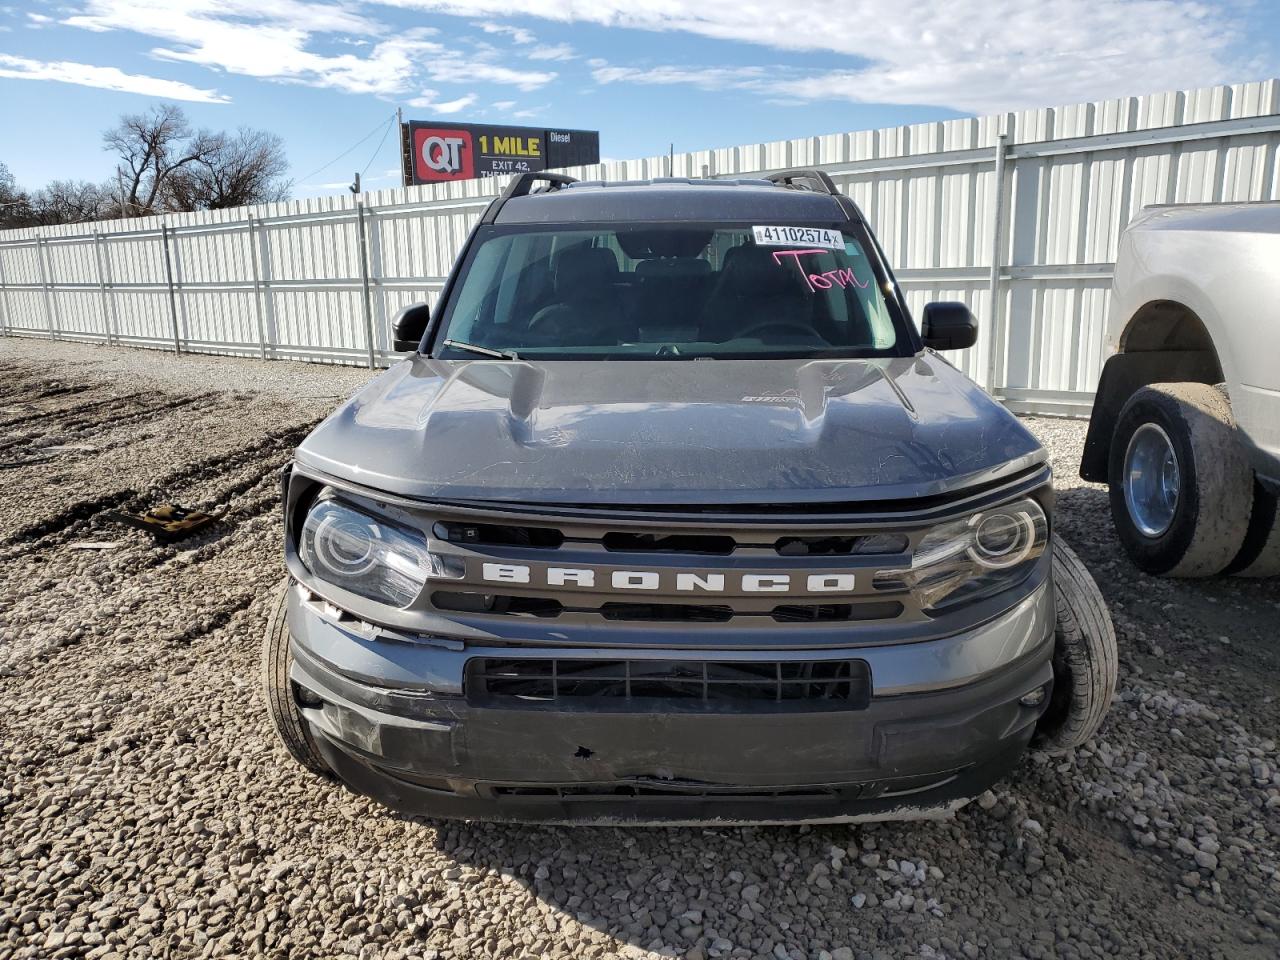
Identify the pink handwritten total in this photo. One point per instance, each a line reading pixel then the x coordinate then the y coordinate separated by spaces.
pixel 842 277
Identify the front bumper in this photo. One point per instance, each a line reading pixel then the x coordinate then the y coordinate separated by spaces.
pixel 945 719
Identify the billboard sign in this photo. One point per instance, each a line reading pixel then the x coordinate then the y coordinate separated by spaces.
pixel 440 152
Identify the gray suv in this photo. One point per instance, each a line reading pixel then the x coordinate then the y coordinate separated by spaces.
pixel 674 516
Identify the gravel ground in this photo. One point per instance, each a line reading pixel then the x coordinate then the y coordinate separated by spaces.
pixel 145 809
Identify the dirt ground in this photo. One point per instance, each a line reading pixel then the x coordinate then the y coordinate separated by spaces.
pixel 146 810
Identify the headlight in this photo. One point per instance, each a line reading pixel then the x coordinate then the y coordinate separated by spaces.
pixel 974 557
pixel 371 557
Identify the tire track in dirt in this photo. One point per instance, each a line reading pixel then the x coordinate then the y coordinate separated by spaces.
pixel 36 439
pixel 268 454
pixel 56 415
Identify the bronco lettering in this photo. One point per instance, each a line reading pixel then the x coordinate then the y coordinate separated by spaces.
pixel 681 582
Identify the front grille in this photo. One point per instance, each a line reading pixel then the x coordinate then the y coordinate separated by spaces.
pixel 471 602
pixel 869 545
pixel 667 612
pixel 630 541
pixel 618 611
pixel 835 612
pixel 499 534
pixel 614 570
pixel 832 684
pixel 627 542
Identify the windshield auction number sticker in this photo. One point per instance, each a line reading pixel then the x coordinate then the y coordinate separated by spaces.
pixel 798 237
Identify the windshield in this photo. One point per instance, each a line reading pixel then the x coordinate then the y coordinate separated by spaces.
pixel 671 291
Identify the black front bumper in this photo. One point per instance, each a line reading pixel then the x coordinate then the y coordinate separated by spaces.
pixel 901 757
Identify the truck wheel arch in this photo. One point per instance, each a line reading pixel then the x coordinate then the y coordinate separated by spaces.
pixel 1163 342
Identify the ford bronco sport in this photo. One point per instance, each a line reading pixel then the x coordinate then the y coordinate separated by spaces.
pixel 674 516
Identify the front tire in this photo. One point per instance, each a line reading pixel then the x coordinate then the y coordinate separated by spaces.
pixel 1181 487
pixel 282 704
pixel 1085 656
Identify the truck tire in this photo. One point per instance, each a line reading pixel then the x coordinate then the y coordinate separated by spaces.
pixel 1259 556
pixel 1085 656
pixel 282 705
pixel 1181 487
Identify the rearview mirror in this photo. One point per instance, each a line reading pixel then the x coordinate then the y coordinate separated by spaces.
pixel 409 326
pixel 948 326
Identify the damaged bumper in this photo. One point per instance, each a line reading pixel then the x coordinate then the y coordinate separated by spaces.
pixel 891 731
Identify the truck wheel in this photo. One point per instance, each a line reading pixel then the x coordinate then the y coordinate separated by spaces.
pixel 1085 656
pixel 282 704
pixel 1180 485
pixel 1260 554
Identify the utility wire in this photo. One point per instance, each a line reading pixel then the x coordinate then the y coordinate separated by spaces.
pixel 350 148
pixel 378 149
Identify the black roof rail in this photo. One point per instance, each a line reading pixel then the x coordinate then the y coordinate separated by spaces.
pixel 522 186
pixel 791 178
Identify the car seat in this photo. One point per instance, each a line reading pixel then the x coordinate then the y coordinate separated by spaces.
pixel 753 288
pixel 588 308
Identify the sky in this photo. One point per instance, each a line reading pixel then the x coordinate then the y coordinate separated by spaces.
pixel 328 75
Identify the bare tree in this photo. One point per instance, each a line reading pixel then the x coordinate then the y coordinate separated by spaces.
pixel 163 165
pixel 152 146
pixel 69 201
pixel 15 204
pixel 235 170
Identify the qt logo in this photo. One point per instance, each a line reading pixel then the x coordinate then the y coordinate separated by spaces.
pixel 443 154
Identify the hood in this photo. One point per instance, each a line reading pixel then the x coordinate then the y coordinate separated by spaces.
pixel 670 432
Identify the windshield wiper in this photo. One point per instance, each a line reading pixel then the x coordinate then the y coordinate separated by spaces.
pixel 482 351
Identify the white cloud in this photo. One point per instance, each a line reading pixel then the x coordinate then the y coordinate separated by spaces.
pixel 104 78
pixel 559 51
pixel 517 34
pixel 262 38
pixel 705 78
pixel 453 106
pixel 429 101
pixel 972 55
pixel 274 40
pixel 448 68
pixel 503 104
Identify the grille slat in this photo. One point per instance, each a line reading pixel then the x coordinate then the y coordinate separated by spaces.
pixel 463 601
pixel 836 684
pixel 670 541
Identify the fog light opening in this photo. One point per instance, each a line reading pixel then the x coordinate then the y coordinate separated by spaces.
pixel 305 698
pixel 1033 698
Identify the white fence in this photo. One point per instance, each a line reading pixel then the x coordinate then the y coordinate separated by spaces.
pixel 1017 214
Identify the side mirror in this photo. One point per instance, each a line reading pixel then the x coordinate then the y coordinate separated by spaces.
pixel 948 326
pixel 409 326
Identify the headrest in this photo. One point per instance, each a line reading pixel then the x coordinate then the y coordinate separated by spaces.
pixel 674 267
pixel 752 271
pixel 586 269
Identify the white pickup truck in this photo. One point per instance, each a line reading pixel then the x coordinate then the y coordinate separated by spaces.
pixel 1186 423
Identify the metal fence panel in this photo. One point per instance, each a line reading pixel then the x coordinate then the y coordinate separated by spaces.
pixel 1045 192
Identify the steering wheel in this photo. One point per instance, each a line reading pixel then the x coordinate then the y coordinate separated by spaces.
pixel 789 325
pixel 546 313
